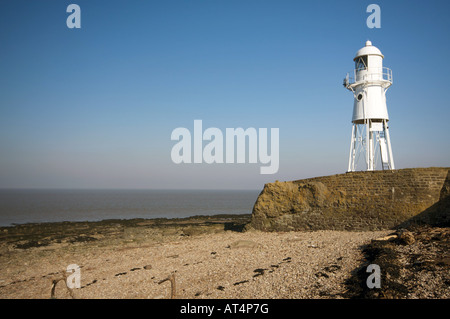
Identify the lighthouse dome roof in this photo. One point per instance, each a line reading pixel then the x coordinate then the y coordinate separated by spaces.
pixel 369 49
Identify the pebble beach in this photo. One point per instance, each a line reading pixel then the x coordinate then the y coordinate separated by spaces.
pixel 205 258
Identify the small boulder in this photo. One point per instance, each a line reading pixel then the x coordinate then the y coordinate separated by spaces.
pixel 406 237
pixel 243 244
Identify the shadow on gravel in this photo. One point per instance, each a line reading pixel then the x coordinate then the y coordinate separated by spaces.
pixel 414 261
pixel 384 255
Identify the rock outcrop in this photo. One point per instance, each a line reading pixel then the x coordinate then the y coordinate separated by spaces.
pixel 354 201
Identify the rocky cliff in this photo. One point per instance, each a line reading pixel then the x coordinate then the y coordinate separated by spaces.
pixel 355 201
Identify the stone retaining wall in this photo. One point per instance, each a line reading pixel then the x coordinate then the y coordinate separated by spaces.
pixel 354 201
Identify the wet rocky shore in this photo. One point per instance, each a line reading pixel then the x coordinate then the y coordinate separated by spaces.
pixel 31 235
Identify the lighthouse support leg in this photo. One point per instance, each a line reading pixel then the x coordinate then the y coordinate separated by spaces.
pixel 388 140
pixel 371 150
pixel 368 159
pixel 351 156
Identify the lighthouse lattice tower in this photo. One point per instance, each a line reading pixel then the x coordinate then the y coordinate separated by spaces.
pixel 370 131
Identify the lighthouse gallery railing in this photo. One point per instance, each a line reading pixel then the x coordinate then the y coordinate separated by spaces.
pixel 371 74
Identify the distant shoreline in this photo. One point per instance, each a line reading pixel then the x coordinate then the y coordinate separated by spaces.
pixel 157 220
pixel 50 206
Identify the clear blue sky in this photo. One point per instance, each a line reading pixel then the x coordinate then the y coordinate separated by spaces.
pixel 95 107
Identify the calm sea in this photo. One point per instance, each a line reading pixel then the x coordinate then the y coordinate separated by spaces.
pixel 31 206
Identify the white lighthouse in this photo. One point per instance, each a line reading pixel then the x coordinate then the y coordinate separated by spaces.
pixel 370 141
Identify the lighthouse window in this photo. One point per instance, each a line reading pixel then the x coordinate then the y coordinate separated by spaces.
pixel 359 97
pixel 361 62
